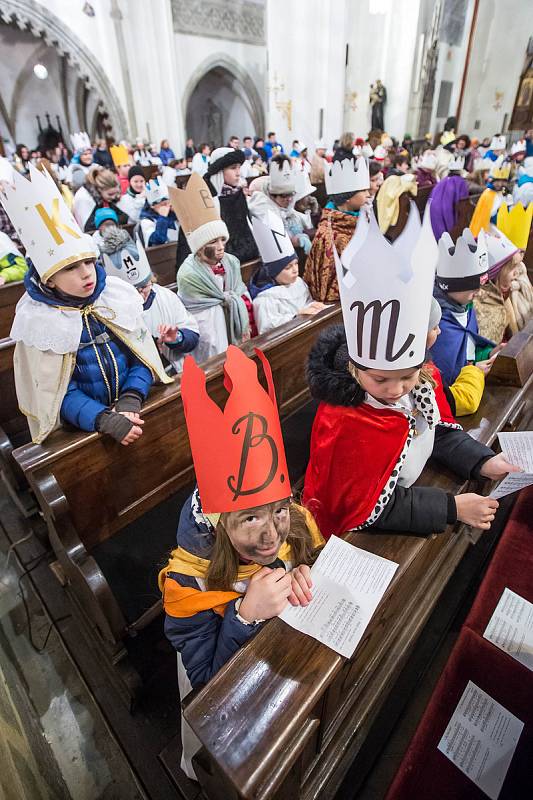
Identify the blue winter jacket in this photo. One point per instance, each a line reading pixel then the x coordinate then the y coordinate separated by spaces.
pixel 87 394
pixel 166 154
pixel 449 351
pixel 162 224
pixel 205 639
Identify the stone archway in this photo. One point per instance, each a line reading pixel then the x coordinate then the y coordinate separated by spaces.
pixel 42 23
pixel 219 100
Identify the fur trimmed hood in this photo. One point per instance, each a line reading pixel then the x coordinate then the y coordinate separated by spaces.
pixel 327 370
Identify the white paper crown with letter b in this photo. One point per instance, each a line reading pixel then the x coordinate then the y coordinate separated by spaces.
pixel 156 191
pixel 80 141
pixel 133 266
pixel 50 234
pixel 350 175
pixel 272 240
pixel 385 293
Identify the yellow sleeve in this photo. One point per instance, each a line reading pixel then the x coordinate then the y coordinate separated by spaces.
pixel 468 390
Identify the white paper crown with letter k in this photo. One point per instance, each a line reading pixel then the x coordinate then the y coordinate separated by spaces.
pixel 50 234
pixel 350 175
pixel 385 293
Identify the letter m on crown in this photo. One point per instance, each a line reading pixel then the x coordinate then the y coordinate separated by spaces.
pixel 54 222
pixel 377 308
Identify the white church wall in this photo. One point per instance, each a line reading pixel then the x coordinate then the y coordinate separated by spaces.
pixel 306 67
pixel 497 59
pixel 382 39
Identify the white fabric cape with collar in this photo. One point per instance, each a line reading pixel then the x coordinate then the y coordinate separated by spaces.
pixel 47 340
pixel 279 304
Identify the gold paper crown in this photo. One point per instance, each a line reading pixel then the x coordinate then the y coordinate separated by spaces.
pixel 120 155
pixel 515 224
pixel 501 173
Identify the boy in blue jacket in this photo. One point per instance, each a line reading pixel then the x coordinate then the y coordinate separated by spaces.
pixel 158 222
pixel 461 270
pixel 83 355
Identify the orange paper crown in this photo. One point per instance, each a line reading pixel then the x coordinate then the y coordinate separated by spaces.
pixel 120 155
pixel 238 453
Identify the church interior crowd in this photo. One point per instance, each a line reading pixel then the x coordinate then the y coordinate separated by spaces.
pixel 429 303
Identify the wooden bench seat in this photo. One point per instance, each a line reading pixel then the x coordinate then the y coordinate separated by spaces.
pixel 90 488
pixel 286 716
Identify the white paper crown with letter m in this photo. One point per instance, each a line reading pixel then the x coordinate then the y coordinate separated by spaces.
pixel 385 293
pixel 50 234
pixel 348 176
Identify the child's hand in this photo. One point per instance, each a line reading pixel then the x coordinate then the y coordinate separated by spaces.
pixel 301 586
pixel 485 366
pixel 133 416
pixel 475 510
pixel 497 467
pixel 132 436
pixel 167 333
pixel 266 595
pixel 2 280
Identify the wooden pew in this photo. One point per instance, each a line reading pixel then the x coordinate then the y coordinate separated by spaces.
pixel 96 495
pixel 286 716
pixel 162 259
pixel 10 294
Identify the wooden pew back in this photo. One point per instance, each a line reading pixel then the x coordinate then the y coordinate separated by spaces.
pixel 107 486
pixel 10 294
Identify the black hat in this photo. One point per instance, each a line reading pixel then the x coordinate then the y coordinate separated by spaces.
pixel 224 157
pixel 135 170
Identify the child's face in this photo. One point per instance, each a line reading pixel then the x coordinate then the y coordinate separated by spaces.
pixel 375 183
pixel 77 280
pixel 123 170
pixel 106 225
pixel 138 183
pixel 162 208
pixel 509 272
pixel 357 201
pixel 432 337
pixel 212 252
pixel 110 194
pixel 145 290
pixel 232 175
pixel 258 533
pixel 288 275
pixel 86 158
pixel 282 200
pixel 463 298
pixel 388 386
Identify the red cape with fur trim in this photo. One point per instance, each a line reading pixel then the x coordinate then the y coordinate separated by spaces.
pixel 354 451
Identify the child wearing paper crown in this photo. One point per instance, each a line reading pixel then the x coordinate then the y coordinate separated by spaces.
pixel 83 355
pixel 348 189
pixel 209 280
pixel 278 293
pixel 466 392
pixel 173 328
pixel 383 412
pixel 238 534
pixel 461 271
pixel 158 223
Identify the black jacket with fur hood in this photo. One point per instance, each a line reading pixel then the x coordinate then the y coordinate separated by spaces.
pixel 417 509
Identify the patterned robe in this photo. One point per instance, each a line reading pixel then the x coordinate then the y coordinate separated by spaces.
pixel 320 274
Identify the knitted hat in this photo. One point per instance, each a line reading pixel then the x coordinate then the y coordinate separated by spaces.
pixel 198 213
pixel 102 214
pixel 135 170
pixel 224 157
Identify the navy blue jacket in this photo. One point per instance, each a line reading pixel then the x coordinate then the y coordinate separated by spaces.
pixel 162 224
pixel 205 639
pixel 449 351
